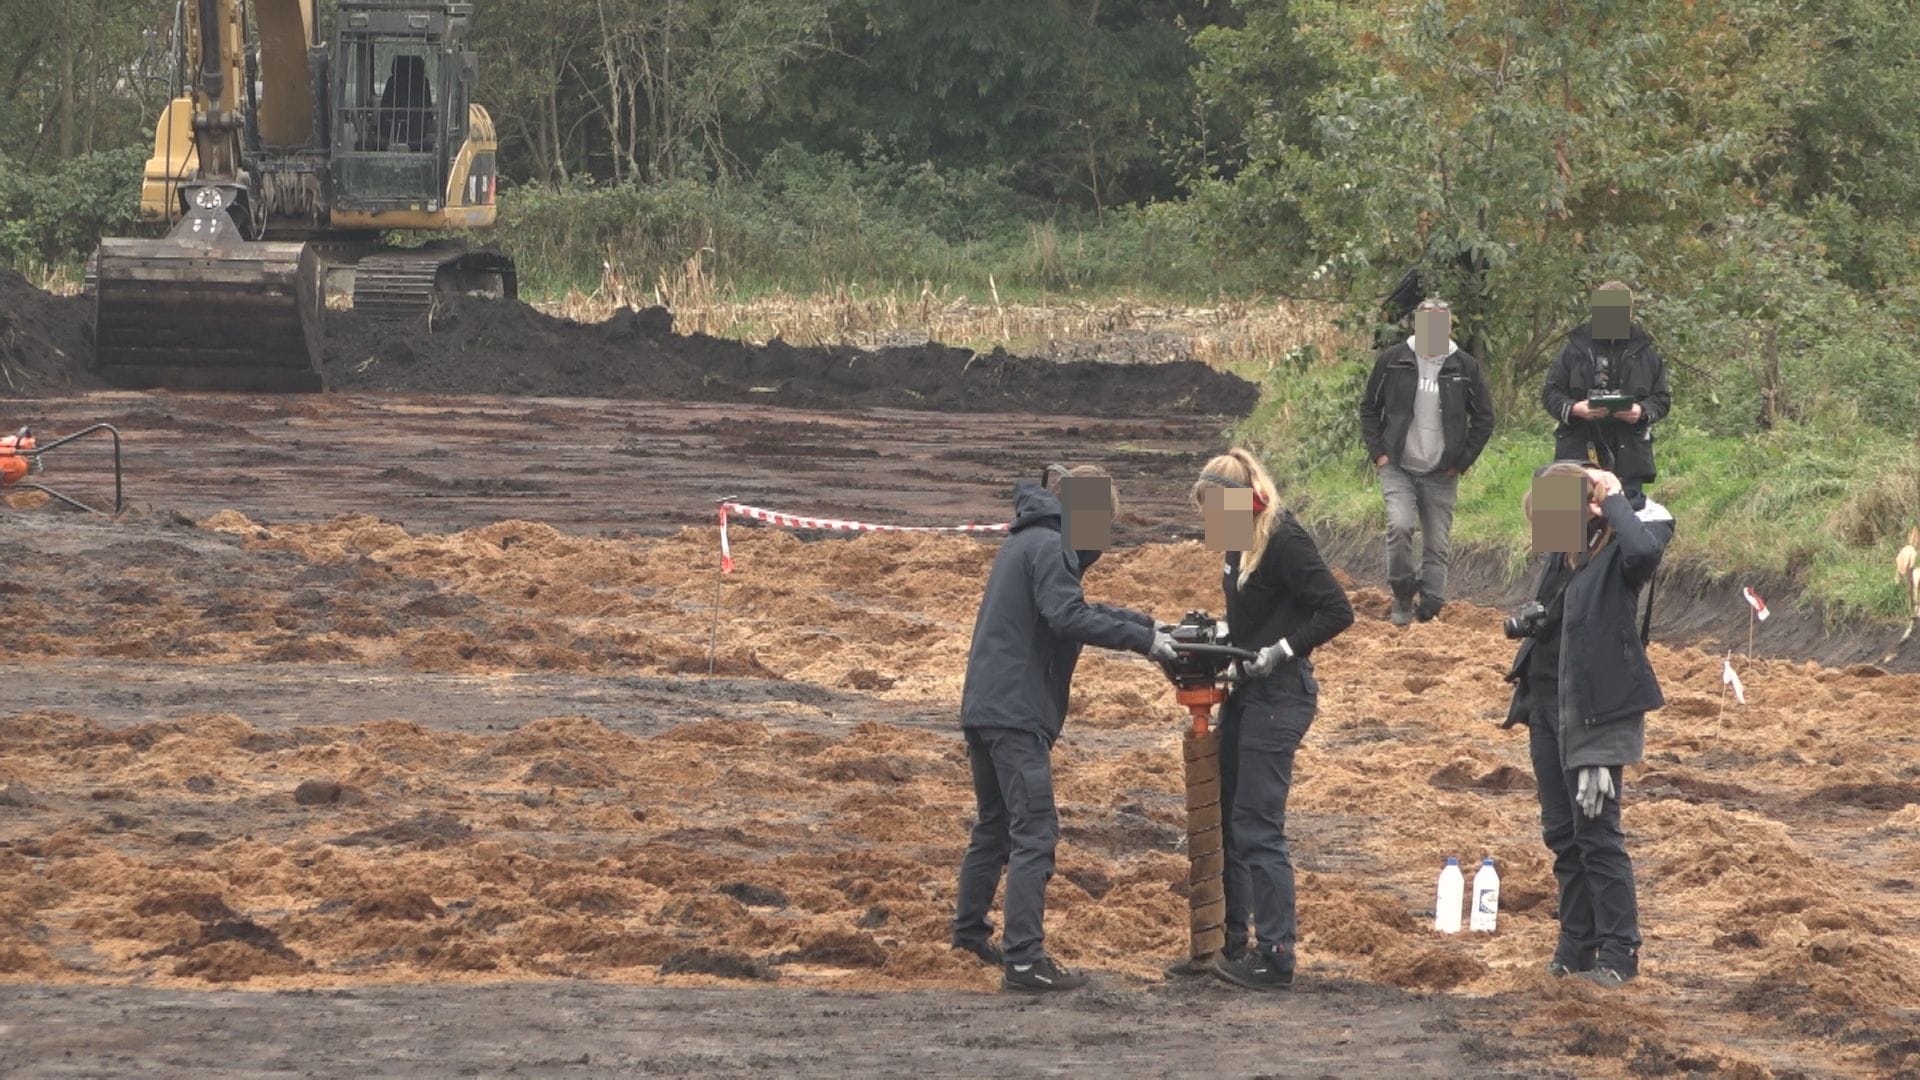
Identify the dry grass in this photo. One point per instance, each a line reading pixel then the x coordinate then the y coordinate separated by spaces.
pixel 1230 333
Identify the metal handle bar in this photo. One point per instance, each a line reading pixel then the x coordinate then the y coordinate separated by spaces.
pixel 1215 650
pixel 118 500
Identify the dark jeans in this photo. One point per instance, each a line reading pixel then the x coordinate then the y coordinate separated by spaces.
pixel 1598 909
pixel 1261 727
pixel 1017 827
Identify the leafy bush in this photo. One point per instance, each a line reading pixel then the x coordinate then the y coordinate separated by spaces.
pixel 808 220
pixel 58 217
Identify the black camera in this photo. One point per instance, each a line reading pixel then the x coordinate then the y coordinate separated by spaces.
pixel 1526 622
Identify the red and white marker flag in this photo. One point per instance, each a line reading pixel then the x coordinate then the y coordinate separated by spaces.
pixel 1732 678
pixel 797 521
pixel 1758 605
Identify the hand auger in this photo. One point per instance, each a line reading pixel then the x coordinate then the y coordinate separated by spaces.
pixel 1200 676
pixel 22 456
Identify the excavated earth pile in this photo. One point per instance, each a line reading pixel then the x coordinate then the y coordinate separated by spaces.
pixel 624 819
pixel 473 346
pixel 44 340
pixel 495 347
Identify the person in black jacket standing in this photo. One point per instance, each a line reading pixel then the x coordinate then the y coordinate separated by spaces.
pixel 1601 359
pixel 1425 419
pixel 1283 602
pixel 1026 642
pixel 1583 686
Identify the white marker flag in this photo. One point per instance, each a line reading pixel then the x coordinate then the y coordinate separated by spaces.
pixel 1732 678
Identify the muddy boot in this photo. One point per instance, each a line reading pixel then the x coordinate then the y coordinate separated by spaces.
pixel 1402 612
pixel 1611 978
pixel 1428 609
pixel 1042 976
pixel 1571 959
pixel 1260 969
pixel 1187 967
pixel 987 952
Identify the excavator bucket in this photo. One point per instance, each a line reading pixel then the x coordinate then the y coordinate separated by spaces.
pixel 207 309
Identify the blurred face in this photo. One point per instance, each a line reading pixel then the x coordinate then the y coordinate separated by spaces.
pixel 1612 314
pixel 1560 507
pixel 1229 517
pixel 1087 503
pixel 1432 331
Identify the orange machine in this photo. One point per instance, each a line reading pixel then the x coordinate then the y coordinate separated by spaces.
pixel 22 456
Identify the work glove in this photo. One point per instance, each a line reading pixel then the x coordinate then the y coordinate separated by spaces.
pixel 1596 787
pixel 1162 648
pixel 1269 658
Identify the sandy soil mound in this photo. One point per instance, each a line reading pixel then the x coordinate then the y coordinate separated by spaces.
pixel 475 346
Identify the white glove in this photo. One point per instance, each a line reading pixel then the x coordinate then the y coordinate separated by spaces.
pixel 1596 787
pixel 1268 658
pixel 1162 648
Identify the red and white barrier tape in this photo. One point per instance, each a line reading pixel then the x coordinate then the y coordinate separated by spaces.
pixel 797 521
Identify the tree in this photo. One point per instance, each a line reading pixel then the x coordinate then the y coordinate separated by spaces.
pixel 1557 143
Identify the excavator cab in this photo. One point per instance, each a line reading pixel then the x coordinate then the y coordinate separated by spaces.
pixel 398 74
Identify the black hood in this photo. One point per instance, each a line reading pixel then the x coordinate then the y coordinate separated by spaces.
pixel 1034 505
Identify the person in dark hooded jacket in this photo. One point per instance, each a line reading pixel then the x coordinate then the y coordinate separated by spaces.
pixel 1033 621
pixel 1583 686
pixel 1622 441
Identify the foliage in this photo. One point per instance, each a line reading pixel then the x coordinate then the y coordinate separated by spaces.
pixel 50 218
pixel 806 220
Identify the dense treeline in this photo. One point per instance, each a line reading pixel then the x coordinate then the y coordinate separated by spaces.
pixel 1747 163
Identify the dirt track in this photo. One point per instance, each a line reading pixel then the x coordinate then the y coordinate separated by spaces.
pixel 491 684
pixel 598 465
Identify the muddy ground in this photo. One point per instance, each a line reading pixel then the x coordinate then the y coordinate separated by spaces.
pixel 455 757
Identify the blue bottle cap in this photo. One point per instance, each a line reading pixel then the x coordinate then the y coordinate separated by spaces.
pixel 1451 861
pixel 1488 861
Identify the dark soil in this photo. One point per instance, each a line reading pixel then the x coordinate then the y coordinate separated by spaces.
pixel 509 348
pixel 44 340
pixel 475 346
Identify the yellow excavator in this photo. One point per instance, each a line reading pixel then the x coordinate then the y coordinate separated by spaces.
pixel 278 170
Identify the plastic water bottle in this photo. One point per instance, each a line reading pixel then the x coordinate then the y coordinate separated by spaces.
pixel 1486 897
pixel 1447 901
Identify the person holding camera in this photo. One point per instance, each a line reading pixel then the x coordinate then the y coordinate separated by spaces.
pixel 1425 417
pixel 1282 602
pixel 1583 686
pixel 1027 638
pixel 1607 389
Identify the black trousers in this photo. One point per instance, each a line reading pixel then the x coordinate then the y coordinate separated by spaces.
pixel 1599 912
pixel 1017 828
pixel 1261 727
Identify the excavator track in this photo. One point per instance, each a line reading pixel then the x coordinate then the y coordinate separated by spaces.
pixel 406 283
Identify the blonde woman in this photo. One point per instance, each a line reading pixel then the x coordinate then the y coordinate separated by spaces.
pixel 1583 686
pixel 1282 601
